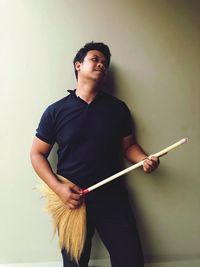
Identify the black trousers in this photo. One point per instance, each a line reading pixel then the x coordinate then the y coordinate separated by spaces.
pixel 115 224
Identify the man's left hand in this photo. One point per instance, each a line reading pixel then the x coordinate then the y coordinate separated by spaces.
pixel 151 164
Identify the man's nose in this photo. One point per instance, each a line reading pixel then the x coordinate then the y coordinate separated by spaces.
pixel 101 65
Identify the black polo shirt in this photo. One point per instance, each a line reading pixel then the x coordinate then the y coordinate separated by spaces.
pixel 88 136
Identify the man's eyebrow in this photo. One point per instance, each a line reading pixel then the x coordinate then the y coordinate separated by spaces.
pixel 98 56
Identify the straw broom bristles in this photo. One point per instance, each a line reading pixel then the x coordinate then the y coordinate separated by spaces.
pixel 70 223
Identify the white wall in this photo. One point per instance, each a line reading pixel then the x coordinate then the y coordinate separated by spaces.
pixel 155 61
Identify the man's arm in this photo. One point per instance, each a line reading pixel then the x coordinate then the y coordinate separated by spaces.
pixel 134 153
pixel 69 194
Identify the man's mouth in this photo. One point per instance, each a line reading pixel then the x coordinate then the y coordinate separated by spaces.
pixel 99 70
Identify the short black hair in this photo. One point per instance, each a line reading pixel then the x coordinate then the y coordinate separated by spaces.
pixel 103 48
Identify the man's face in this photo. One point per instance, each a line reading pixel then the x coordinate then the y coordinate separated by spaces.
pixel 94 66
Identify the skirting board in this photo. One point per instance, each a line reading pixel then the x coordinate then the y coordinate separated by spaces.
pixel 106 263
pixel 93 263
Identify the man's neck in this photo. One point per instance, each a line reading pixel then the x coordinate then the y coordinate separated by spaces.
pixel 86 91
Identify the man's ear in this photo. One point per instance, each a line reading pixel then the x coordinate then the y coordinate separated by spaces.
pixel 77 65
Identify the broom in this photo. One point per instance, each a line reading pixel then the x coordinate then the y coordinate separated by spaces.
pixel 71 223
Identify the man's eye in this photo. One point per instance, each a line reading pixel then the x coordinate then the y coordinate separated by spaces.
pixel 95 59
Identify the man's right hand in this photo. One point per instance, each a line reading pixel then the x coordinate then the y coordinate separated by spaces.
pixel 70 194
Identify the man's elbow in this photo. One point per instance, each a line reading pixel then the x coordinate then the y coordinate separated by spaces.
pixel 126 151
pixel 33 156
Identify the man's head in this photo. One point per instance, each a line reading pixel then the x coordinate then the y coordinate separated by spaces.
pixel 101 47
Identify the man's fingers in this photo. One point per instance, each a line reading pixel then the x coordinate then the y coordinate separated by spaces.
pixel 75 196
pixel 147 170
pixel 155 159
pixel 150 164
pixel 73 204
pixel 76 189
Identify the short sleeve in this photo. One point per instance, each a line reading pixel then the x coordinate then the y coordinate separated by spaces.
pixel 46 127
pixel 126 124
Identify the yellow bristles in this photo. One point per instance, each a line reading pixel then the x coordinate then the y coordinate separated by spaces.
pixel 70 223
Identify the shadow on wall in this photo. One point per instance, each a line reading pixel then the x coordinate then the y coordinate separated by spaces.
pixel 110 85
pixel 111 88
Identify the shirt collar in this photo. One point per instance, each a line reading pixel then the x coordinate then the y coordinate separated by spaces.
pixel 73 93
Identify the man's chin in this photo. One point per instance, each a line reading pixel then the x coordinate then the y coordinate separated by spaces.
pixel 99 77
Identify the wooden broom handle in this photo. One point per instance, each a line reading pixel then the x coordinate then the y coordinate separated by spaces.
pixel 158 154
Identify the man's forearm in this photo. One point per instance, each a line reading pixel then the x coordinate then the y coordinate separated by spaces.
pixel 135 153
pixel 43 169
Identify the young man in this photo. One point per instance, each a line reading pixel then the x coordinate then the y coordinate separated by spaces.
pixel 92 130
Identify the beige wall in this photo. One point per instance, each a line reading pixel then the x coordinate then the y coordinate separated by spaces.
pixel 155 61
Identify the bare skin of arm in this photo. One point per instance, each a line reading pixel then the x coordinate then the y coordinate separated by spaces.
pixel 134 153
pixel 69 194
